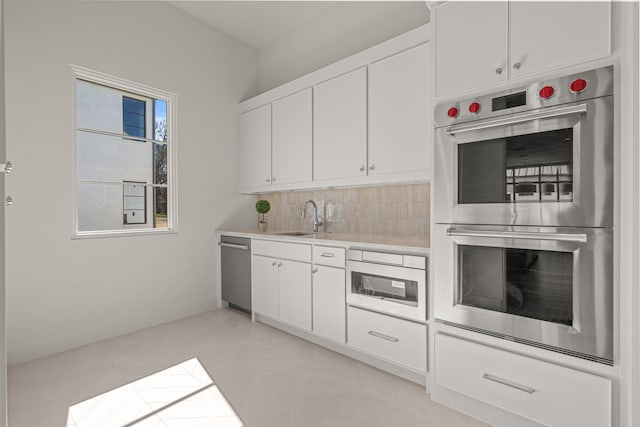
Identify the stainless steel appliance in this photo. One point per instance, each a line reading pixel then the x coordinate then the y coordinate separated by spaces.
pixel 524 213
pixel 390 283
pixel 546 286
pixel 535 155
pixel 236 272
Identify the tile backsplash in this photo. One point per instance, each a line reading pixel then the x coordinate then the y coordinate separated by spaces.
pixel 400 210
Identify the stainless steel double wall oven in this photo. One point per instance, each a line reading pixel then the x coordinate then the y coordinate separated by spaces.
pixel 524 214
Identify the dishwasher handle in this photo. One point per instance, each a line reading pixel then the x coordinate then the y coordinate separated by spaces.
pixel 233 245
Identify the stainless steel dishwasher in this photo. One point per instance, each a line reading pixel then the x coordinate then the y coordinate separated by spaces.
pixel 236 272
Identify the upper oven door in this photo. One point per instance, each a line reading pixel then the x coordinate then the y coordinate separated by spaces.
pixel 552 286
pixel 549 166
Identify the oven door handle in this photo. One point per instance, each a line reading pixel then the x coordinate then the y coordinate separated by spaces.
pixel 561 237
pixel 519 118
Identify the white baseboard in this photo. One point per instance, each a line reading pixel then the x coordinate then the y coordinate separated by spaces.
pixel 344 349
pixel 479 410
pixel 90 333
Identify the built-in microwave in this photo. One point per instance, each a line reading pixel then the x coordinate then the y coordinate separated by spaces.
pixel 390 283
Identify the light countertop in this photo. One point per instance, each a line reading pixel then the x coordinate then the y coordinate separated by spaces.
pixel 370 241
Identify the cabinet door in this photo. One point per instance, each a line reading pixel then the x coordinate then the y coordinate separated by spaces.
pixel 549 394
pixel 547 35
pixel 294 291
pixel 292 139
pixel 340 126
pixel 254 157
pixel 264 279
pixel 399 133
pixel 329 305
pixel 471 45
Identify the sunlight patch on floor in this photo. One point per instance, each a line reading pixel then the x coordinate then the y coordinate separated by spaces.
pixel 182 395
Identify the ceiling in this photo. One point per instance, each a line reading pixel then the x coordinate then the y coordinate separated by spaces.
pixel 257 23
pixel 260 23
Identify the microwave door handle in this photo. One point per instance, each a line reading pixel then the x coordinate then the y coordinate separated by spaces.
pixel 561 237
pixel 519 118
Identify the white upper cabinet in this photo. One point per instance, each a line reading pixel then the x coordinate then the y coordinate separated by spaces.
pixel 340 126
pixel 480 43
pixel 399 132
pixel 360 121
pixel 254 156
pixel 546 35
pixel 292 139
pixel 471 45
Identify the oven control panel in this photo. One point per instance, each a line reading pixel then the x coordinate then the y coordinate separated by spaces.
pixel 540 94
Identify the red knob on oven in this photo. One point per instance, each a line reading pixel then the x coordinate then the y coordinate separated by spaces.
pixel 546 92
pixel 578 85
pixel 453 112
pixel 474 107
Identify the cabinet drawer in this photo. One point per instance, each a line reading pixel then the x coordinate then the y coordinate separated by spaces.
pixel 398 341
pixel 544 392
pixel 292 251
pixel 326 255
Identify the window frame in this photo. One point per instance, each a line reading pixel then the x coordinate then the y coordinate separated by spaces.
pixel 131 88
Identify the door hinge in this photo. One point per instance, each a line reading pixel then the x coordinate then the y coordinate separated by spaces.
pixel 6 167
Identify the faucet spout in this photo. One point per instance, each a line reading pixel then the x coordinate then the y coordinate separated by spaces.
pixel 316 219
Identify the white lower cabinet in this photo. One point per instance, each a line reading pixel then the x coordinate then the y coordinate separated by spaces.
pixel 294 293
pixel 398 341
pixel 304 286
pixel 264 298
pixel 329 306
pixel 281 288
pixel 541 391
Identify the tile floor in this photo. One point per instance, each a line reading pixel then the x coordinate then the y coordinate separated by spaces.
pixel 182 395
pixel 270 378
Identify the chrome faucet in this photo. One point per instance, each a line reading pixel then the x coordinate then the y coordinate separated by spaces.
pixel 316 220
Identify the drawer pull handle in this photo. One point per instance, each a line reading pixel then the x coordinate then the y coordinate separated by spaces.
pixel 508 383
pixel 327 254
pixel 383 336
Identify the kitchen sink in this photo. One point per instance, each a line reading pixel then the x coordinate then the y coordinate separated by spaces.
pixel 295 233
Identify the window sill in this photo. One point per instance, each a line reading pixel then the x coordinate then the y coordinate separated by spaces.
pixel 121 233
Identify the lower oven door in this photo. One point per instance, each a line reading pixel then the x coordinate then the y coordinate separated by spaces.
pixel 399 291
pixel 545 286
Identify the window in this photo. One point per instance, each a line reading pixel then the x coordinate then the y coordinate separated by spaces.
pixel 133 117
pixel 124 149
pixel 134 202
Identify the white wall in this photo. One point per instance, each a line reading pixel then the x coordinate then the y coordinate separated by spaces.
pixel 341 31
pixel 61 292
